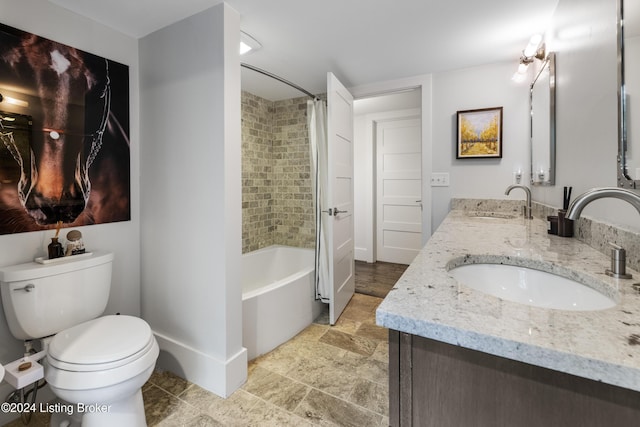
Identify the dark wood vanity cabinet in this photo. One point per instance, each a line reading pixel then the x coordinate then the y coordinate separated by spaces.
pixel 442 385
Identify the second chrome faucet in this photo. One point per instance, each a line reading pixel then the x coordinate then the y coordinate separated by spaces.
pixel 527 208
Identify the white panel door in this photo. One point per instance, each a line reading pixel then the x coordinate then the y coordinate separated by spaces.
pixel 340 196
pixel 399 190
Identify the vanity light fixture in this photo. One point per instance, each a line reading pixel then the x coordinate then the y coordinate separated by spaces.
pixel 541 175
pixel 517 175
pixel 14 101
pixel 535 49
pixel 248 43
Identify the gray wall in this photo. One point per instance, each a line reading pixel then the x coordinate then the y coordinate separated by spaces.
pixel 191 203
pixel 583 33
pixel 479 87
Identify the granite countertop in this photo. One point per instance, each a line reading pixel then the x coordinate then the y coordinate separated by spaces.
pixel 427 301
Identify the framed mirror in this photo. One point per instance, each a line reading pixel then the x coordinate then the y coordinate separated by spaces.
pixel 628 94
pixel 542 101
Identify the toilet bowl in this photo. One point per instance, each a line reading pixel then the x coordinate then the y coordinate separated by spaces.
pixel 96 365
pixel 100 366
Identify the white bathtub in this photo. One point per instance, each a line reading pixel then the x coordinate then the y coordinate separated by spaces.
pixel 278 296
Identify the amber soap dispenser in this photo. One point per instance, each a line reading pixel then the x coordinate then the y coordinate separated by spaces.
pixel 55 247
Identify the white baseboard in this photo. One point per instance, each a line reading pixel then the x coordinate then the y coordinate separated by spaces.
pixel 219 377
pixel 363 254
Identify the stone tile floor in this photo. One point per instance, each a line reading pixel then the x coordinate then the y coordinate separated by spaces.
pixel 326 375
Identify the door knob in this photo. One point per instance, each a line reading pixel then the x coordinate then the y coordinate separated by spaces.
pixel 334 211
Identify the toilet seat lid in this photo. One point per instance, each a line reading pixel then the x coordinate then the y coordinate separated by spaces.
pixel 102 340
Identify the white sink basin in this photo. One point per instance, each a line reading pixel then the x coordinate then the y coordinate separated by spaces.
pixel 531 287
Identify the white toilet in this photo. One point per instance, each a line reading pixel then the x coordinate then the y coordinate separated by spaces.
pixel 97 363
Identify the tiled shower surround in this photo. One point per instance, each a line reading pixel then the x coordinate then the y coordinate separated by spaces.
pixel 277 206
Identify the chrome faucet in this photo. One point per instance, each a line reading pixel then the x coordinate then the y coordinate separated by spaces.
pixel 578 204
pixel 526 209
pixel 618 254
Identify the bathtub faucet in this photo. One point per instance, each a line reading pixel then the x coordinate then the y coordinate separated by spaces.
pixel 527 207
pixel 578 204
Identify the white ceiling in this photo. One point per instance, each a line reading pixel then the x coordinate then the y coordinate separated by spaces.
pixel 361 41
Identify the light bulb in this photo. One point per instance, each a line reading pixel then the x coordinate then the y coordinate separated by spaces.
pixel 532 47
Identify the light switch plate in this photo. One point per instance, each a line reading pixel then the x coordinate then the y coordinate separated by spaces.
pixel 440 179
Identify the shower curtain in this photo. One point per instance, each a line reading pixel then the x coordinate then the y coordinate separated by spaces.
pixel 317 124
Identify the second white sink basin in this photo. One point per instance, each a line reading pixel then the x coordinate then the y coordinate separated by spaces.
pixel 490 215
pixel 531 287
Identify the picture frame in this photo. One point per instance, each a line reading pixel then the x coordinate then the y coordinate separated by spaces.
pixel 479 134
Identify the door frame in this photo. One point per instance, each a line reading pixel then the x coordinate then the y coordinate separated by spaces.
pixel 424 83
pixel 367 252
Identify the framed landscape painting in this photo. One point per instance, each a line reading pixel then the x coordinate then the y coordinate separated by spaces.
pixel 479 133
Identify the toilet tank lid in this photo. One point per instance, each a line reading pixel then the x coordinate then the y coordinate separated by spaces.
pixel 102 340
pixel 34 270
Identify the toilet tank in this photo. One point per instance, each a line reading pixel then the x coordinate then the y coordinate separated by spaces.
pixel 42 299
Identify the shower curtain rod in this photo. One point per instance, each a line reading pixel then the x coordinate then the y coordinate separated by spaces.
pixel 280 79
